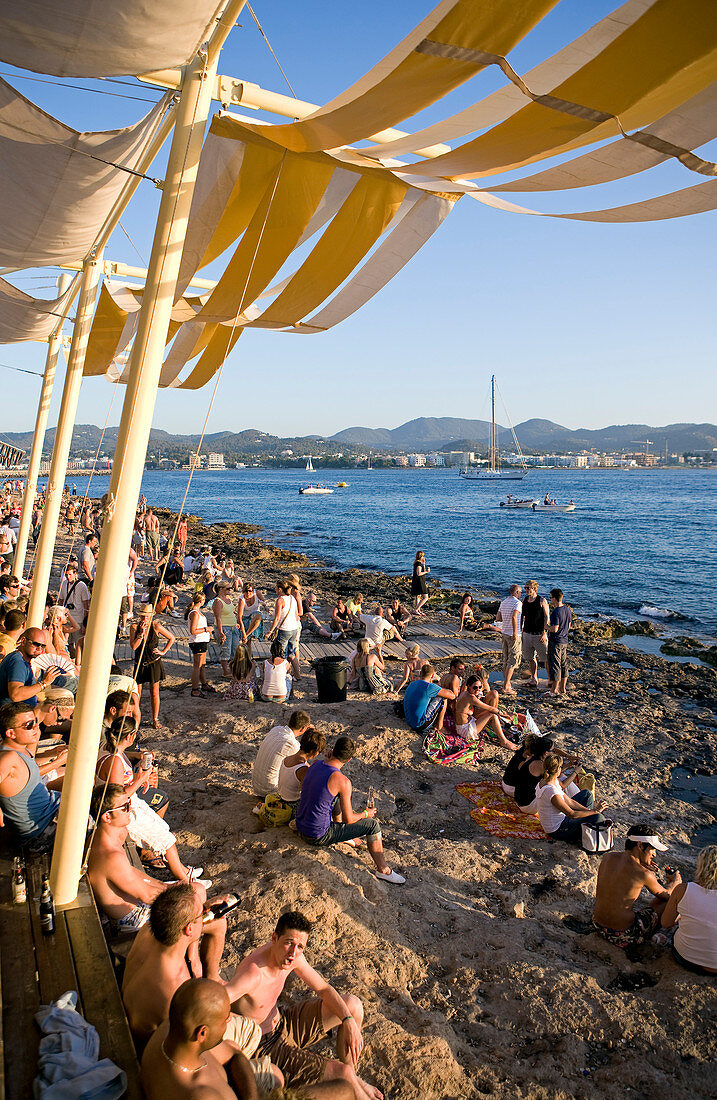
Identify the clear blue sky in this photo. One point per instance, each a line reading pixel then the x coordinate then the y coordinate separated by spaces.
pixel 584 324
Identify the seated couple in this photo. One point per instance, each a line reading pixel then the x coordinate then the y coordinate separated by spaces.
pixel 690 909
pixel 166 997
pixel 539 782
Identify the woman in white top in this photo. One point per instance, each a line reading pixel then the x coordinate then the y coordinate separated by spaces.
pixel 199 637
pixel 249 617
pixel 277 683
pixel 287 621
pixel 561 816
pixel 294 768
pixel 146 828
pixel 694 906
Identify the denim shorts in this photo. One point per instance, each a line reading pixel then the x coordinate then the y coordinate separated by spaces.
pixel 367 826
pixel 290 641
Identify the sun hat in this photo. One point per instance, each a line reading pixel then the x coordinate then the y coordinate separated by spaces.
pixel 646 838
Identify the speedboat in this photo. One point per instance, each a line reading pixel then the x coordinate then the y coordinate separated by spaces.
pixel 538 507
pixel 314 490
pixel 510 503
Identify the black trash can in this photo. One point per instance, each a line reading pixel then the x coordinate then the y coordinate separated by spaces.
pixel 331 677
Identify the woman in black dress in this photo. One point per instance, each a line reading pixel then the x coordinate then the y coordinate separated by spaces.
pixel 145 638
pixel 419 588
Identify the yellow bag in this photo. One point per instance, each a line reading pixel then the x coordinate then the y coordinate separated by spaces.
pixel 275 812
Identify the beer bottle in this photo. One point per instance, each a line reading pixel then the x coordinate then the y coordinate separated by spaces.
pixel 19 886
pixel 47 908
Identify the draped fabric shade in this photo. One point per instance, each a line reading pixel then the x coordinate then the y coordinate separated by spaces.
pixel 102 37
pixel 58 185
pixel 25 318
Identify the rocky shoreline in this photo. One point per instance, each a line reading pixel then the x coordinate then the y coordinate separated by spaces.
pixel 480 976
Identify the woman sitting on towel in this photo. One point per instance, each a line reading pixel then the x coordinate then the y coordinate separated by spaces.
pixel 563 816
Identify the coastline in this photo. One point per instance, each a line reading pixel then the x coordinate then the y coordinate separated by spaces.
pixel 472 981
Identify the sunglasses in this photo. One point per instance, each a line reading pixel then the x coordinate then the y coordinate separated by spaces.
pixel 29 725
pixel 124 808
pixel 36 645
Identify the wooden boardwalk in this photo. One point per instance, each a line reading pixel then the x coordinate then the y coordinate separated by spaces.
pixel 438 642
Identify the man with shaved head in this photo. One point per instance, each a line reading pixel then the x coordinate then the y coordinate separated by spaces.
pixel 186 1059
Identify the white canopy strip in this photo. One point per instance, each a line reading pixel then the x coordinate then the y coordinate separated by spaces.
pixel 677 204
pixel 506 101
pixel 420 222
pixel 23 317
pixel 59 185
pixel 671 137
pixel 103 37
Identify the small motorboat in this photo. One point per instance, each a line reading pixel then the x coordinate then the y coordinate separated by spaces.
pixel 538 507
pixel 511 503
pixel 314 490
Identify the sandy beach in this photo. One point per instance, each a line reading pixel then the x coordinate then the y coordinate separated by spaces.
pixel 472 982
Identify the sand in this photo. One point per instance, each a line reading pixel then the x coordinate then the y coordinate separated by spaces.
pixel 471 982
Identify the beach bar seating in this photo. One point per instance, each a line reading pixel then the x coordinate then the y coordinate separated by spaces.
pixel 36 969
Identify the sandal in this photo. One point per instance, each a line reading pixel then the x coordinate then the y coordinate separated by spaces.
pixel 196 693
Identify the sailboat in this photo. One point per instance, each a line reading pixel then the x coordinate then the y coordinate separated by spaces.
pixel 493 472
pixel 310 465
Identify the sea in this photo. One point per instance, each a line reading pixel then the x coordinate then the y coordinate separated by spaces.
pixel 640 544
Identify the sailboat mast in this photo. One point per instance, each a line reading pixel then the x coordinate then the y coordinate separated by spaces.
pixel 493 463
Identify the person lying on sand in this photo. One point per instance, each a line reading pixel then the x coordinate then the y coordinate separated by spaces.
pixel 621 878
pixel 255 988
pixel 186 1058
pixel 474 711
pixel 325 815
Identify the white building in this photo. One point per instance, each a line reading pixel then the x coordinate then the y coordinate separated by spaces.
pixel 215 460
pixel 416 460
pixel 435 459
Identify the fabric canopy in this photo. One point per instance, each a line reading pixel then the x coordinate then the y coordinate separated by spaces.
pixel 26 318
pixel 444 51
pixel 58 185
pixel 102 37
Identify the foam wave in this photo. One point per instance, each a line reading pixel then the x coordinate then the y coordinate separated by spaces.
pixel 651 612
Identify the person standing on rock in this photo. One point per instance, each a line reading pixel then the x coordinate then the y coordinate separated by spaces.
pixel 534 622
pixel 508 626
pixel 419 588
pixel 560 619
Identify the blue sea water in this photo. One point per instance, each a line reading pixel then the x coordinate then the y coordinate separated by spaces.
pixel 637 539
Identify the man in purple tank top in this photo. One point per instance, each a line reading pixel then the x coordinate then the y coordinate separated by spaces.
pixel 316 820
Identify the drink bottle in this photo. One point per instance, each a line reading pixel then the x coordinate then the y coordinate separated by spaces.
pixel 47 908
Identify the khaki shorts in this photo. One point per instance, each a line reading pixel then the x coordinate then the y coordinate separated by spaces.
pixel 534 644
pixel 244 1033
pixel 512 652
pixel 300 1025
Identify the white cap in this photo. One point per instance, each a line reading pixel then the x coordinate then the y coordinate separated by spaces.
pixel 653 841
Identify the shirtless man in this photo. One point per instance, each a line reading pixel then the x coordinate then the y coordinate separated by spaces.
pixel 621 878
pixel 475 710
pixel 121 891
pixel 453 679
pixel 186 1058
pixel 151 524
pixel 255 989
pixel 167 952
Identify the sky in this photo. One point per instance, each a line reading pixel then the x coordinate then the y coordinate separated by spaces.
pixel 583 324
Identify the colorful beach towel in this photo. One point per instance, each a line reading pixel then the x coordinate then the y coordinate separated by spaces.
pixel 446 748
pixel 496 811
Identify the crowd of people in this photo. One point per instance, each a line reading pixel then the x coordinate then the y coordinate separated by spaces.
pixel 185 1017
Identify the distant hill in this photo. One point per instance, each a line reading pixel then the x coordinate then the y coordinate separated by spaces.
pixel 423 434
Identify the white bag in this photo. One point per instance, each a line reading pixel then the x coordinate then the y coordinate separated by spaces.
pixel 598 837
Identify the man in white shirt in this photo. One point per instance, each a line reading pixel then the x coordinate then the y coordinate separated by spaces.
pixel 509 614
pixel 378 629
pixel 279 742
pixel 87 559
pixel 75 596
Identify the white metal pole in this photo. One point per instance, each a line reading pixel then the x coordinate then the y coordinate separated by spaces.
pixel 129 459
pixel 63 440
pixel 38 439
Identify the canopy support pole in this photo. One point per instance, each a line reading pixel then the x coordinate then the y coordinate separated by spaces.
pixel 38 440
pixel 129 458
pixel 63 440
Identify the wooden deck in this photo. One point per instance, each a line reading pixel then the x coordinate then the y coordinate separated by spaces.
pixel 36 969
pixel 438 641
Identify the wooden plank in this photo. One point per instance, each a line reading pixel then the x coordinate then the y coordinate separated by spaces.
pixel 56 971
pixel 20 993
pixel 99 992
